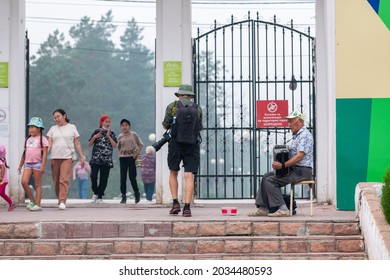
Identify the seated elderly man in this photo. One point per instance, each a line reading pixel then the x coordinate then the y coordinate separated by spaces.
pixel 300 164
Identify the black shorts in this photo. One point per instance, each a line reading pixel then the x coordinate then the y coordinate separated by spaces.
pixel 189 154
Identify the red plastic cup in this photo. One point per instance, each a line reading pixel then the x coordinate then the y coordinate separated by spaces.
pixel 233 211
pixel 224 211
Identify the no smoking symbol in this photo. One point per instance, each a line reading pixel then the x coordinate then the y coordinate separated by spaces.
pixel 272 107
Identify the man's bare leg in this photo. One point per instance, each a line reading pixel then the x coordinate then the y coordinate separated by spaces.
pixel 174 185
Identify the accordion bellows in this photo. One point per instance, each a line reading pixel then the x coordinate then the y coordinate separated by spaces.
pixel 281 154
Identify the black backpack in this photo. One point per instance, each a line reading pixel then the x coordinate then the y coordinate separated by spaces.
pixel 187 124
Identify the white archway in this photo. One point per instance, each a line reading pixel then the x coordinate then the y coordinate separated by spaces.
pixel 173 44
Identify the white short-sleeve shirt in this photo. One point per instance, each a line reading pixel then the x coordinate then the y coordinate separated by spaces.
pixel 62 140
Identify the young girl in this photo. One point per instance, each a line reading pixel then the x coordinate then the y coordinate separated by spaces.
pixel 4 178
pixel 80 174
pixel 103 141
pixel 129 147
pixel 34 160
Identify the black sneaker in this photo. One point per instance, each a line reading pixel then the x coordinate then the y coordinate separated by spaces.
pixel 187 212
pixel 137 197
pixel 175 209
pixel 124 199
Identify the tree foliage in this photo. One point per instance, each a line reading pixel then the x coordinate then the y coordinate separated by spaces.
pixel 385 198
pixel 88 76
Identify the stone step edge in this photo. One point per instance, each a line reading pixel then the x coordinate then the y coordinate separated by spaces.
pixel 264 220
pixel 225 256
pixel 144 229
pixel 183 246
pixel 184 238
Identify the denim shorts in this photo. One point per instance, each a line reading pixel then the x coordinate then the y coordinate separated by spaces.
pixel 33 165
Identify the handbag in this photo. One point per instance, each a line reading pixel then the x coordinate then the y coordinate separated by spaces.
pixel 138 162
pixel 73 153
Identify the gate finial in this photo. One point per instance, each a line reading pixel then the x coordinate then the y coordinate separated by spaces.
pixel 293 84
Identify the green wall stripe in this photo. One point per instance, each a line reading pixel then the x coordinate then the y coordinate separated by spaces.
pixel 384 12
pixel 379 151
pixel 352 142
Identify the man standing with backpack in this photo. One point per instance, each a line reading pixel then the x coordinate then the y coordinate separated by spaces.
pixel 184 118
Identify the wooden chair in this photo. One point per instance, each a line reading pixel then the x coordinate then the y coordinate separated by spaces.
pixel 310 183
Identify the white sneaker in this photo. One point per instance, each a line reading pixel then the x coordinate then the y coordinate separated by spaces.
pixel 35 208
pixel 30 205
pixel 94 198
pixel 99 200
pixel 62 206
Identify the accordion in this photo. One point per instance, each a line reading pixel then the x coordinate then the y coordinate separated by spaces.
pixel 281 154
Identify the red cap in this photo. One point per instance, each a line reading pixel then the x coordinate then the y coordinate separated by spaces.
pixel 102 118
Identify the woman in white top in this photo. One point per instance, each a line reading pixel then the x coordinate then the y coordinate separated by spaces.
pixel 64 139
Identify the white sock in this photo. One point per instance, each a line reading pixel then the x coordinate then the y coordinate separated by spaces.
pixel 283 207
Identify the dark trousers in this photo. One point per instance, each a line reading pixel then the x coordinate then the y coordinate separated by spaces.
pixel 104 170
pixel 127 164
pixel 269 194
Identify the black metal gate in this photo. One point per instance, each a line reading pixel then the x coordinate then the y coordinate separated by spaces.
pixel 234 66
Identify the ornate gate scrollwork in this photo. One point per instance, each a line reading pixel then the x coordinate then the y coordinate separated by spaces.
pixel 234 66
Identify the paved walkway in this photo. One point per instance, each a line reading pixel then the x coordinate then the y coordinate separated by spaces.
pixel 202 210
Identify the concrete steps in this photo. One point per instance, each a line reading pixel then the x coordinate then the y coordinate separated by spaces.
pixel 323 256
pixel 254 239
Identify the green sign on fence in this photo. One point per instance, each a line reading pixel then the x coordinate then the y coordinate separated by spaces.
pixel 172 73
pixel 3 74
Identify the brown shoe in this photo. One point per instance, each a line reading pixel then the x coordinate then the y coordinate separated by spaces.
pixel 280 213
pixel 259 212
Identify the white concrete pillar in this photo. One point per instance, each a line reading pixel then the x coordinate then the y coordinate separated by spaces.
pixel 326 100
pixel 12 98
pixel 173 43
